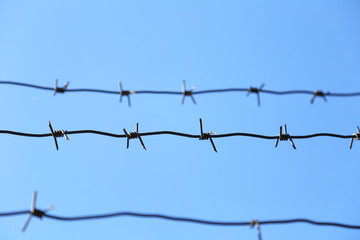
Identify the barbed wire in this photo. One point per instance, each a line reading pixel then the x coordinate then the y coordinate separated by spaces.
pixel 185 92
pixel 43 214
pixel 282 136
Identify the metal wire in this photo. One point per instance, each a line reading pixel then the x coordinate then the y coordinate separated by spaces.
pixel 180 219
pixel 201 136
pixel 189 93
pixel 174 133
pixel 35 212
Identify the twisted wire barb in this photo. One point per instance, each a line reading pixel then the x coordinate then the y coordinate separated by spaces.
pixel 190 93
pixel 202 136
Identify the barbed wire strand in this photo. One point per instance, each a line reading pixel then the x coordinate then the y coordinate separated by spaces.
pixel 184 92
pixel 35 212
pixel 41 214
pixel 202 136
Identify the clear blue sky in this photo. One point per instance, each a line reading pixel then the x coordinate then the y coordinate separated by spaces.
pixel 154 45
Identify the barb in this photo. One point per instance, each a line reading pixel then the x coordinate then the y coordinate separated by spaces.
pixel 34 212
pixel 181 219
pixel 185 92
pixel 255 90
pixel 58 133
pixel 318 93
pixel 203 136
pixel 132 135
pixel 206 136
pixel 284 137
pixel 125 93
pixel 256 223
pixel 60 90
pixel 356 136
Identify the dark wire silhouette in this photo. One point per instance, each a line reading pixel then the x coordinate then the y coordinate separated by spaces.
pixel 207 222
pixel 184 92
pixel 35 212
pixel 203 136
pixel 43 214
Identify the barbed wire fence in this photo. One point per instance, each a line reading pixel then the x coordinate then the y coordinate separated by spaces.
pixel 282 136
pixel 185 92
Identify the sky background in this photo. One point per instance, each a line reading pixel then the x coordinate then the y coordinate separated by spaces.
pixel 154 45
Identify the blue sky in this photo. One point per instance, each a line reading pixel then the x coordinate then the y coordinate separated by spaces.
pixel 154 45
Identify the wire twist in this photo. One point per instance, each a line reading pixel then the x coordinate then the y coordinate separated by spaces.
pixel 256 223
pixel 256 90
pixel 60 90
pixel 57 133
pixel 284 137
pixel 356 136
pixel 206 136
pixel 132 135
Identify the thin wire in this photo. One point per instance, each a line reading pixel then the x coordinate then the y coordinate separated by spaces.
pixel 131 135
pixel 6 214
pixel 182 219
pixel 353 94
